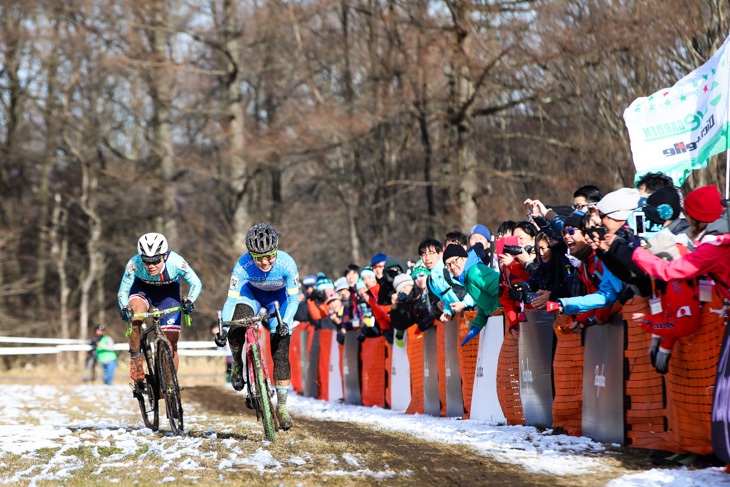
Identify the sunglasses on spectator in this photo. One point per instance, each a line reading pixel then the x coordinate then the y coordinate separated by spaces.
pixel 264 257
pixel 379 266
pixel 568 231
pixel 604 215
pixel 151 260
pixel 420 275
pixel 578 206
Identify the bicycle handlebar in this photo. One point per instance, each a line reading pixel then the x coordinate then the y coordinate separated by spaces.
pixel 252 320
pixel 156 313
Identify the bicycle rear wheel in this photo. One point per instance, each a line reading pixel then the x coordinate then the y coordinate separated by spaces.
pixel 148 399
pixel 262 400
pixel 169 387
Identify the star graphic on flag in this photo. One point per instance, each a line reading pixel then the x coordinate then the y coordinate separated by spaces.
pixel 713 71
pixel 651 107
pixel 682 98
pixel 705 89
pixel 704 76
pixel 666 93
pixel 651 97
pixel 637 109
pixel 668 102
pixel 694 84
pixel 722 63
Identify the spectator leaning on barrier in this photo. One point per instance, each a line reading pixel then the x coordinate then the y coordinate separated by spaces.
pixel 309 285
pixel 592 301
pixel 482 284
pixel 709 221
pixel 367 294
pixel 550 222
pixel 431 251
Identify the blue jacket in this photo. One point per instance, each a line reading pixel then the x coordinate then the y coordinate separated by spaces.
pixel 438 285
pixel 606 296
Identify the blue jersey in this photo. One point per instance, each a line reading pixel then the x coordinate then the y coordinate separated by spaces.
pixel 174 267
pixel 250 282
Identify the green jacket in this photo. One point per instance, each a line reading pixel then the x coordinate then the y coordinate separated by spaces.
pixel 482 284
pixel 105 350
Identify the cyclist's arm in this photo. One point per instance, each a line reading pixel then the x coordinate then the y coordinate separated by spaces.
pixel 192 279
pixel 126 285
pixel 292 296
pixel 239 277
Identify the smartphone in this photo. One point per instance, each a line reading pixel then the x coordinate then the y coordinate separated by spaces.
pixel 639 223
pixel 601 231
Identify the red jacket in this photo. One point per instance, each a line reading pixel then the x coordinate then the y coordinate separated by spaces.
pixel 712 257
pixel 380 312
pixel 680 315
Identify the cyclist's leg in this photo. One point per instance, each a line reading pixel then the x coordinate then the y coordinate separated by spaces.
pixel 280 355
pixel 140 304
pixel 170 323
pixel 246 306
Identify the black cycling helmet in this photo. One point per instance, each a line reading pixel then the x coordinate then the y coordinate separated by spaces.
pixel 262 239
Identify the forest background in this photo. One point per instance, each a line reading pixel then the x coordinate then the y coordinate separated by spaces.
pixel 353 126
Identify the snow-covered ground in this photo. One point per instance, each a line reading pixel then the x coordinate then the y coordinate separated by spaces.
pixel 43 423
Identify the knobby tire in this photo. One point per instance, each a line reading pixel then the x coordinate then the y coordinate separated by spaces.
pixel 169 387
pixel 149 402
pixel 262 400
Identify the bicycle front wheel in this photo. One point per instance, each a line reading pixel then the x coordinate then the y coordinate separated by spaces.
pixel 169 387
pixel 262 401
pixel 148 399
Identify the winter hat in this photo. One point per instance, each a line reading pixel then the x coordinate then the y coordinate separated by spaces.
pixel 341 284
pixel 395 262
pixel 481 230
pixel 367 271
pixel 420 269
pixel 401 281
pixel 332 296
pixel 574 219
pixel 378 258
pixel 310 280
pixel 453 250
pixel 619 204
pixel 704 204
pixel 323 282
pixel 663 205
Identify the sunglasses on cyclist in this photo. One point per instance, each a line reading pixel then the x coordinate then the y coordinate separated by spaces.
pixel 568 231
pixel 264 257
pixel 151 260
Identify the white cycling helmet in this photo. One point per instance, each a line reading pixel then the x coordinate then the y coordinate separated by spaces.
pixel 151 245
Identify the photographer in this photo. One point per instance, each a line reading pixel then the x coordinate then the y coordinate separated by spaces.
pixel 512 269
pixel 413 304
pixel 317 303
pixel 340 316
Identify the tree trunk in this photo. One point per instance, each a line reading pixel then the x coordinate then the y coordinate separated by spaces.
pixel 59 252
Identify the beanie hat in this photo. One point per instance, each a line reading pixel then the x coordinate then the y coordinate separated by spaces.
pixel 323 282
pixel 367 271
pixel 310 280
pixel 663 205
pixel 481 230
pixel 378 258
pixel 395 262
pixel 332 296
pixel 454 250
pixel 401 281
pixel 704 204
pixel 341 284
pixel 619 204
pixel 574 219
pixel 420 269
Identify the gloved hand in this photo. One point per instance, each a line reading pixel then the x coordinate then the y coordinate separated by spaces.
pixel 662 360
pixel 399 338
pixel 187 306
pixel 282 330
pixel 655 340
pixel 518 290
pixel 127 313
pixel 472 333
pixel 220 338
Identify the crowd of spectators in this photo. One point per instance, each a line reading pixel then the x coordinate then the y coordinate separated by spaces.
pixel 584 260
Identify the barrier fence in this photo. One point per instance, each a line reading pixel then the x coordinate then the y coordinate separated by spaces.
pixel 598 384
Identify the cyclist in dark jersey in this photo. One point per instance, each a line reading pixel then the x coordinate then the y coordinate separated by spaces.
pixel 261 276
pixel 152 278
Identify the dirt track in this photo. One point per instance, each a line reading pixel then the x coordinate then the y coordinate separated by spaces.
pixel 430 463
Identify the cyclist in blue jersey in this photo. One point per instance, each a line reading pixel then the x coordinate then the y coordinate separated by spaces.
pixel 260 277
pixel 152 278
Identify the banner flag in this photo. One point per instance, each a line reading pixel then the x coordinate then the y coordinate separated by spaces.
pixel 676 130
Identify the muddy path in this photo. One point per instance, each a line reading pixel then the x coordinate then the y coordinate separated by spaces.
pixel 418 461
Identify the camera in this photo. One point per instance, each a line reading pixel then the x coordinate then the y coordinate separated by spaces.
pixel 600 231
pixel 517 250
pixel 319 294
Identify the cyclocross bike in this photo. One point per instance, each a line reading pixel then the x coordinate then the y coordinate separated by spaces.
pixel 259 388
pixel 160 375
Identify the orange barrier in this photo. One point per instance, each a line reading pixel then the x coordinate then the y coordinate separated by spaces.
pixel 325 345
pixel 441 363
pixel 508 380
pixel 646 422
pixel 388 368
pixel 372 357
pixel 690 383
pixel 568 380
pixel 295 359
pixel 414 348
pixel 467 359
